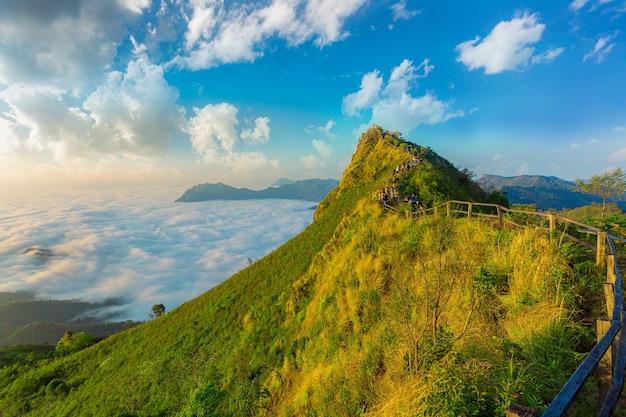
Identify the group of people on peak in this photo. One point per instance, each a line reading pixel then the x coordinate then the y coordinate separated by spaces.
pixel 389 195
pixel 400 169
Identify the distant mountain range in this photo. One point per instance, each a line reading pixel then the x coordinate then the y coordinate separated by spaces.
pixel 545 192
pixel 309 190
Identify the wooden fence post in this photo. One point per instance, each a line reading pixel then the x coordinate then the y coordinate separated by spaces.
pixel 601 249
pixel 552 218
pixel 448 208
pixel 610 269
pixel 500 220
pixel 605 366
pixel 609 298
pixel 469 210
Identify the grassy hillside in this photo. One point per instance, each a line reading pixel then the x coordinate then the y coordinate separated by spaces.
pixel 365 312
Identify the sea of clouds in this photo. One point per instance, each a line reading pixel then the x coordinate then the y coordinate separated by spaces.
pixel 135 245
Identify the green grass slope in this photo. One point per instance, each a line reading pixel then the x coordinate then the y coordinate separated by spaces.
pixel 365 312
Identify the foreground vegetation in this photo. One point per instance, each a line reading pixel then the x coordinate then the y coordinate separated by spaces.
pixel 364 313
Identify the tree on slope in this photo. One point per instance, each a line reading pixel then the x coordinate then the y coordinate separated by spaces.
pixel 157 311
pixel 606 185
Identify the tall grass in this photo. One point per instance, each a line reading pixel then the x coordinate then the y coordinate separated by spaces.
pixel 467 317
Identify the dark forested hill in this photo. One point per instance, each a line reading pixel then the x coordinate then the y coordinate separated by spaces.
pixel 310 190
pixel 24 319
pixel 367 312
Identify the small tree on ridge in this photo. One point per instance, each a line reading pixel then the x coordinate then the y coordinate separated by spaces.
pixel 606 185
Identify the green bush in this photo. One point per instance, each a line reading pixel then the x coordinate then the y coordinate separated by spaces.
pixel 74 342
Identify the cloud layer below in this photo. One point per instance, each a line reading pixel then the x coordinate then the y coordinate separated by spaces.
pixel 136 245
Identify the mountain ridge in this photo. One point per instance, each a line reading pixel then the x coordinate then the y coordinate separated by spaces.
pixel 310 190
pixel 546 192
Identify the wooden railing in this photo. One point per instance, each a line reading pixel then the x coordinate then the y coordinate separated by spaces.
pixel 611 367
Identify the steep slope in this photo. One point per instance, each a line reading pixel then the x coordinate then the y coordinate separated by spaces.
pixel 364 312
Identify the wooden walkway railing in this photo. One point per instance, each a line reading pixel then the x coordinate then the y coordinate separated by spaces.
pixel 611 366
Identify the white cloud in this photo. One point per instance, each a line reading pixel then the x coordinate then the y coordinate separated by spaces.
pixel 401 12
pixel 62 45
pixel 507 47
pixel 9 132
pixel 404 75
pixel 136 245
pixel 601 49
pixel 318 159
pixel 322 148
pixel 219 34
pixel 393 104
pixel 575 145
pixel 213 135
pixel 136 6
pixel 312 162
pixel 523 169
pixel 326 129
pixel 41 122
pixel 204 19
pixel 369 91
pixel 260 133
pixel 618 156
pixel 62 106
pixel 212 130
pixel 133 114
pixel 547 56
pixel 577 4
pixel 323 19
pixel 619 129
pixel 249 166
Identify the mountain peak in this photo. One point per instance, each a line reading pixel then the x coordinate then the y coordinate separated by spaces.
pixel 282 181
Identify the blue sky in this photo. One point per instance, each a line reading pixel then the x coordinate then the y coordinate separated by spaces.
pixel 182 92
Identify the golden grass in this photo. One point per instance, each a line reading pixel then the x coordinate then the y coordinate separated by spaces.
pixel 368 292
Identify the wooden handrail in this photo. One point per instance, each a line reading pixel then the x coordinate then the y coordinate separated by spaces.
pixel 566 396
